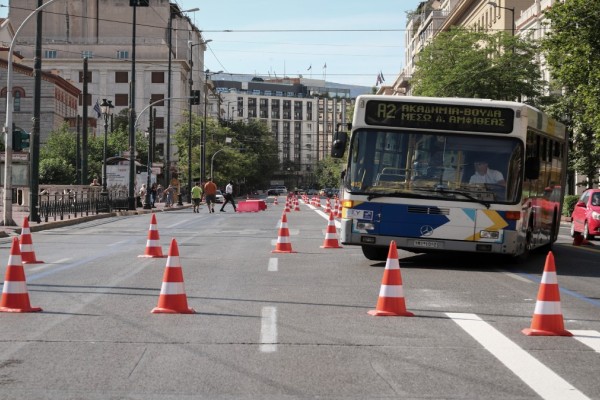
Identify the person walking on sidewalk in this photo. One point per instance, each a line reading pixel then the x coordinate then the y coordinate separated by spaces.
pixel 210 192
pixel 229 197
pixel 196 196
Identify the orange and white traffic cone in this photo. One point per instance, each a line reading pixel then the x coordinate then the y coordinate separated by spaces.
pixel 331 238
pixel 275 202
pixel 173 299
pixel 547 317
pixel 26 245
pixel 296 205
pixel 327 206
pixel 338 208
pixel 153 248
pixel 391 295
pixel 283 239
pixel 14 292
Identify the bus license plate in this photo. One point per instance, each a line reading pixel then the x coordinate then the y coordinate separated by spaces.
pixel 430 244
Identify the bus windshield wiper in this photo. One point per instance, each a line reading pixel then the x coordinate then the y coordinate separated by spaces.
pixel 440 189
pixel 372 196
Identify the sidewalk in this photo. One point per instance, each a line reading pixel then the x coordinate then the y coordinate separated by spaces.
pixel 19 213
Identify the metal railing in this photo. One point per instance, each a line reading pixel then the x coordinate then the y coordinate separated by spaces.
pixel 57 206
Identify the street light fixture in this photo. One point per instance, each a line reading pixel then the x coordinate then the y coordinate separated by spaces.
pixel 106 108
pixel 512 10
pixel 227 141
pixel 207 74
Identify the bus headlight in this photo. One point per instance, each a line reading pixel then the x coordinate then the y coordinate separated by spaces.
pixel 365 226
pixel 489 234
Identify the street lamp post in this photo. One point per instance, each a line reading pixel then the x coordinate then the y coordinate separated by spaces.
pixel 7 219
pixel 170 40
pixel 207 74
pixel 106 110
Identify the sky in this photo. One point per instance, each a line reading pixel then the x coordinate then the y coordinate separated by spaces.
pixel 349 42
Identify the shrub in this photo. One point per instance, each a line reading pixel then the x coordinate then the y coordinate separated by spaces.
pixel 569 204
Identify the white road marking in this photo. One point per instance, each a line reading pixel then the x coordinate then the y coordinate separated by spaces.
pixel 536 375
pixel 273 262
pixel 589 338
pixel 268 330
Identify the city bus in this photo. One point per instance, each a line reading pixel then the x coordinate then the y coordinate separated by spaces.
pixel 450 174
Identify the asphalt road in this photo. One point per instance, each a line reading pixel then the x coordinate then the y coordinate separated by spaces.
pixel 283 326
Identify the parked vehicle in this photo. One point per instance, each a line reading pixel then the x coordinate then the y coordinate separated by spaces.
pixel 585 218
pixel 219 198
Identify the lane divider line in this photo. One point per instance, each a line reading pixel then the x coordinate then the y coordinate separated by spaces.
pixel 273 264
pixel 532 372
pixel 268 330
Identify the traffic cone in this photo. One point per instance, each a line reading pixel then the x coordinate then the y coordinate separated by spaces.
pixel 331 239
pixel 391 295
pixel 26 245
pixel 283 239
pixel 547 317
pixel 153 248
pixel 327 206
pixel 275 202
pixel 172 298
pixel 296 205
pixel 14 292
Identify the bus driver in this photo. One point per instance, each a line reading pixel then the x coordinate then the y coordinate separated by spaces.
pixel 483 174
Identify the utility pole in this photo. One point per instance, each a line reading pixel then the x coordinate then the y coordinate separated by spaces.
pixel 34 153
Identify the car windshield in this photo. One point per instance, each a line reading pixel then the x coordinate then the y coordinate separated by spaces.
pixel 427 165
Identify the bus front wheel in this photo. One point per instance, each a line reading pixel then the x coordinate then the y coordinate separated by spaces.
pixel 375 253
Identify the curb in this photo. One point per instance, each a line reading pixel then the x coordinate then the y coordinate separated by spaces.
pixel 34 227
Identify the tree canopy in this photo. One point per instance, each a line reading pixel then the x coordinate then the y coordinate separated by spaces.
pixel 466 63
pixel 572 49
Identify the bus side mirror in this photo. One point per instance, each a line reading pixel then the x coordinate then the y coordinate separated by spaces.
pixel 532 168
pixel 338 146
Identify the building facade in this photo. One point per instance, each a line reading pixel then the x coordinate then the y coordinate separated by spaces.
pixel 101 31
pixel 302 114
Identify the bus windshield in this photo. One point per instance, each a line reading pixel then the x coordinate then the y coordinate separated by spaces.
pixel 485 169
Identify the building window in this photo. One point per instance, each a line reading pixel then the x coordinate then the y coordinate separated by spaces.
pixel 156 97
pixel 17 100
pixel 50 54
pixel 87 54
pixel 121 77
pixel 89 76
pixel 122 100
pixel 159 123
pixel 122 54
pixel 158 77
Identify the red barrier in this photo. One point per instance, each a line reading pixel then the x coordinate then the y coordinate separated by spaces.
pixel 251 206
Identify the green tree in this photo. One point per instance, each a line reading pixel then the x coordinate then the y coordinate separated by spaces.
pixel 249 158
pixel 572 48
pixel 329 170
pixel 466 63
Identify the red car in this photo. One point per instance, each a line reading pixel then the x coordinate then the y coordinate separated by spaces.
pixel 585 218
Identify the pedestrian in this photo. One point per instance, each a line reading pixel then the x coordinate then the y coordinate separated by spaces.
pixel 153 191
pixel 210 192
pixel 196 196
pixel 159 193
pixel 168 193
pixel 229 197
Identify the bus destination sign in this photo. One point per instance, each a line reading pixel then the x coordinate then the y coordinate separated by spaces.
pixel 455 117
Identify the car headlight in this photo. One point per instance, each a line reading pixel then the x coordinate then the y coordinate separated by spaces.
pixel 595 215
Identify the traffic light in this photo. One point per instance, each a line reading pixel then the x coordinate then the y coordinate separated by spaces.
pixel 20 138
pixel 195 97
